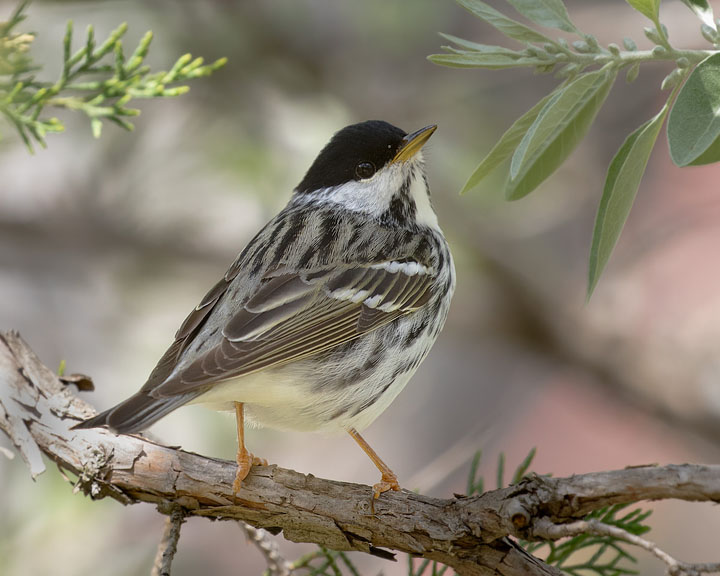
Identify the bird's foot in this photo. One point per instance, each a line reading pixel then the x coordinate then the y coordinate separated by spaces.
pixel 245 461
pixel 388 482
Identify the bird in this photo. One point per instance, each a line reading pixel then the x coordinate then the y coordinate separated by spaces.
pixel 328 311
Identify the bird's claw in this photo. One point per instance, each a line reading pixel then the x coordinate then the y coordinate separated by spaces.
pixel 387 482
pixel 245 461
pixel 258 461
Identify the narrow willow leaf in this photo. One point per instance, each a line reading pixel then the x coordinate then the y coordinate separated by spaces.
pixel 558 129
pixel 507 144
pixel 560 110
pixel 621 185
pixel 550 13
pixel 493 61
pixel 703 10
pixel 672 79
pixel 710 34
pixel 509 27
pixel 476 47
pixel 711 155
pixel 694 123
pixel 629 44
pixel 647 8
pixel 632 73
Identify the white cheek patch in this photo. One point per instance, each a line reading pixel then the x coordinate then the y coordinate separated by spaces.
pixel 424 211
pixel 371 196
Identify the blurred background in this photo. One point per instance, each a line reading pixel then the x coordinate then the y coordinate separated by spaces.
pixel 106 245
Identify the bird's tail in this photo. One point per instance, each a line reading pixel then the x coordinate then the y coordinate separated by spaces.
pixel 136 413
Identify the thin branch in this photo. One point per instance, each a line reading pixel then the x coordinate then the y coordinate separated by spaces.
pixel 545 529
pixel 276 564
pixel 469 534
pixel 167 547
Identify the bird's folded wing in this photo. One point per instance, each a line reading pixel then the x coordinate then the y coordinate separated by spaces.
pixel 184 335
pixel 295 315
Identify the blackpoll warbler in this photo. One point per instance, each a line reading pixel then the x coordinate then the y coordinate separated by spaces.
pixel 327 312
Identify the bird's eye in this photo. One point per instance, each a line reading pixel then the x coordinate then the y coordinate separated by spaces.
pixel 364 170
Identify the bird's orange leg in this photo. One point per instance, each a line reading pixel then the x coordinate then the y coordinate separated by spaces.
pixel 388 481
pixel 245 460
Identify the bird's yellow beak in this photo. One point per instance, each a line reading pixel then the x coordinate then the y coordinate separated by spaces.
pixel 412 143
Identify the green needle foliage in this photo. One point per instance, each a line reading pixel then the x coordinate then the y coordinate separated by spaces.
pixel 476 483
pixel 543 138
pixel 323 562
pixel 97 79
pixel 602 555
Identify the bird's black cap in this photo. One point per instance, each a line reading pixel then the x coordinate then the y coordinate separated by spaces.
pixel 373 142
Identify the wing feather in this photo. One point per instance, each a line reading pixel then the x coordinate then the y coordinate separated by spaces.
pixel 277 291
pixel 197 316
pixel 292 316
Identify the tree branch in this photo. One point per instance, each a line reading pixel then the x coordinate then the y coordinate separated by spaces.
pixel 467 533
pixel 168 545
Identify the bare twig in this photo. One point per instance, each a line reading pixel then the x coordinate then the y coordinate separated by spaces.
pixel 276 564
pixel 169 542
pixel 545 529
pixel 469 534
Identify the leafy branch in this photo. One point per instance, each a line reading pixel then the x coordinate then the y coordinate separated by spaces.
pixel 604 553
pixel 97 80
pixel 542 139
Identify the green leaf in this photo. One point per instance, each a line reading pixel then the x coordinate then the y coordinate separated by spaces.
pixel 96 126
pixel 621 185
pixel 694 123
pixel 632 73
pixel 490 60
pixel 703 10
pixel 711 155
pixel 500 476
pixel 507 144
pixel 475 46
pixel 524 466
pixel 557 130
pixel 67 43
pixel 475 484
pixel 109 44
pixel 647 8
pixel 509 27
pixel 550 13
pixel 140 52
